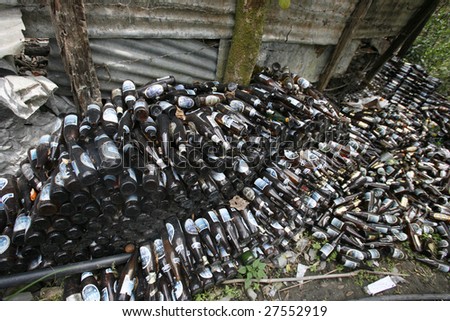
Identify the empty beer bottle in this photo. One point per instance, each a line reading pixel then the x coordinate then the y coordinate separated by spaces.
pixel 193 240
pixel 72 288
pixel 89 287
pixel 70 129
pixel 107 283
pixel 178 241
pixel 126 282
pixel 205 234
pixel 7 249
pixel 149 268
pixel 82 165
pixel 129 93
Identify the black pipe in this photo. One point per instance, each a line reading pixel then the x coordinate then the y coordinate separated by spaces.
pixel 410 297
pixel 61 271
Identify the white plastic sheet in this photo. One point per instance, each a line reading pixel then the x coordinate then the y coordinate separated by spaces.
pixel 24 95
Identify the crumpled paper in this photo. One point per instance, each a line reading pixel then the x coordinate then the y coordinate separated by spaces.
pixel 24 95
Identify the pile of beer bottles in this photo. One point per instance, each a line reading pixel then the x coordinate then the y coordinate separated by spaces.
pixel 157 165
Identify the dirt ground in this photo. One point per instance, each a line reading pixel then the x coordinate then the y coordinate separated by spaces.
pixel 419 280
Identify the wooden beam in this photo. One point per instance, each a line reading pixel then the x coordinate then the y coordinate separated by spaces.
pixel 246 40
pixel 417 20
pixel 358 14
pixel 413 35
pixel 69 21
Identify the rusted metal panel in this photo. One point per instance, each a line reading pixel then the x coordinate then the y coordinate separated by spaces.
pixel 181 19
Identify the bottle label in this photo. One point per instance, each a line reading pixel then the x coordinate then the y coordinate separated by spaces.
pixel 127 285
pixel 178 290
pixel 211 100
pixel 150 128
pixel 4 243
pixel 196 245
pixel 166 268
pixel 225 215
pixel 27 172
pixel 185 102
pixel 159 248
pixel 105 294
pixel 154 90
pixel 109 150
pixel 206 274
pixel 22 223
pixel 261 184
pixel 350 264
pixel 213 217
pixel 170 231
pixel 218 237
pixel 145 256
pixel 70 120
pixel 128 85
pixel 293 101
pixel 398 254
pixel 85 275
pixel 179 248
pixel 202 224
pixel 33 154
pixel 75 168
pixel 272 172
pixel 327 249
pixel 90 293
pixel 93 107
pixel 54 144
pixel 84 158
pixel 276 225
pixel 217 176
pixel 74 297
pixel 132 174
pixel 4 181
pixel 6 197
pixel 110 115
pixel 45 193
pixel 372 218
pixel 45 139
pixel 85 127
pixel 151 278
pixel 374 253
pixel 190 228
pixel 59 179
pixel 251 219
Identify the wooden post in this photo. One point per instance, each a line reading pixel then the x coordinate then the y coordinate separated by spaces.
pixel 358 14
pixel 413 24
pixel 69 20
pixel 246 41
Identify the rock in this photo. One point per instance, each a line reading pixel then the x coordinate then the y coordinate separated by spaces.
pixel 251 294
pixel 23 296
pixel 51 293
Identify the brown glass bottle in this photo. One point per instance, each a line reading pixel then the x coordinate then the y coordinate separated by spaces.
pixel 107 283
pixel 89 287
pixel 150 269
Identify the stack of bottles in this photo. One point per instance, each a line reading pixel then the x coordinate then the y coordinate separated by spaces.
pixel 157 165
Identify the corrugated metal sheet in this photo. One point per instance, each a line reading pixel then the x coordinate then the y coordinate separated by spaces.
pixel 294 36
pixel 312 22
pixel 183 19
pixel 141 60
pixel 305 60
pixel 11 27
pixel 386 18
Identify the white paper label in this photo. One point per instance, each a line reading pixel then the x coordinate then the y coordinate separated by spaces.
pixel 4 243
pixel 45 193
pixel 127 286
pixel 4 181
pixel 170 231
pixel 189 227
pixel 84 158
pixel 145 256
pixel 90 293
pixel 213 216
pixel 201 224
pixel 110 115
pixel 154 90
pixel 23 222
pixel 70 120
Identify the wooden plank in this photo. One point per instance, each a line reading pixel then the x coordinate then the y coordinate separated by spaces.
pixel 246 40
pixel 358 14
pixel 69 21
pixel 416 21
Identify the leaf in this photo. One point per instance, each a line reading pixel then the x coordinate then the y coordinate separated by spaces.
pixel 261 275
pixel 284 4
pixel 247 283
pixel 242 270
